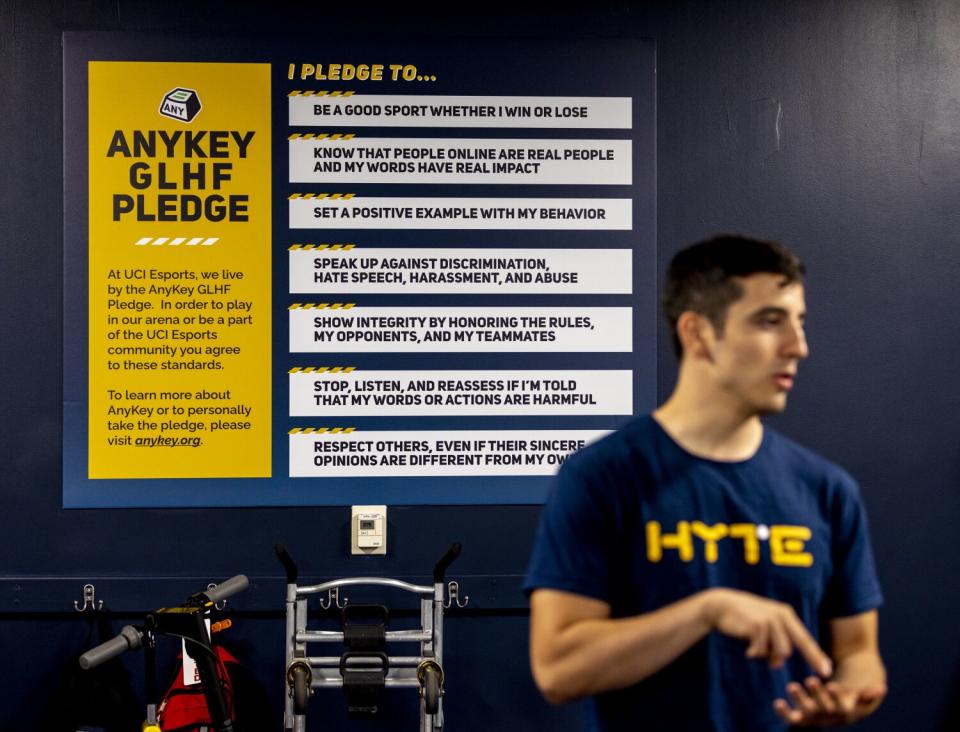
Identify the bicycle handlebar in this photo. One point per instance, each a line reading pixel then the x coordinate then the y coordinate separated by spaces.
pixel 129 639
pixel 228 588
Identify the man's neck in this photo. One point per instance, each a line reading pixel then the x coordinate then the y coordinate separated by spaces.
pixel 709 427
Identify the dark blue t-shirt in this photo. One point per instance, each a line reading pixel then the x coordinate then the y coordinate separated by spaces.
pixel 638 522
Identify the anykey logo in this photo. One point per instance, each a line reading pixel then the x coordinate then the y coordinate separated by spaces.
pixel 180 104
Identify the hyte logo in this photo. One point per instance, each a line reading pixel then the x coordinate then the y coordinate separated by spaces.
pixel 180 104
pixel 787 543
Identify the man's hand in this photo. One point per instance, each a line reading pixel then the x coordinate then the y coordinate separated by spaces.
pixel 858 687
pixel 771 629
pixel 819 704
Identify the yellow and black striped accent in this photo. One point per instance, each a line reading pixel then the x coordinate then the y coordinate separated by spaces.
pixel 321 430
pixel 299 93
pixel 322 369
pixel 321 247
pixel 321 136
pixel 322 196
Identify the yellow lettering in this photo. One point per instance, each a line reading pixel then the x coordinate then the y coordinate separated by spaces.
pixel 657 542
pixel 710 535
pixel 787 543
pixel 786 546
pixel 751 547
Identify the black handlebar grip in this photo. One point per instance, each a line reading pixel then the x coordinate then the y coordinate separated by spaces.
pixel 228 588
pixel 440 569
pixel 129 639
pixel 287 561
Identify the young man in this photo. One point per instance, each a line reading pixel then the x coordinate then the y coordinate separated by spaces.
pixel 689 567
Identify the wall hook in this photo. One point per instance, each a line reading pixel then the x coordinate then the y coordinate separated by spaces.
pixel 90 601
pixel 333 600
pixel 453 595
pixel 218 605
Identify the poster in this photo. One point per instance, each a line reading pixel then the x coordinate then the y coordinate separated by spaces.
pixel 302 273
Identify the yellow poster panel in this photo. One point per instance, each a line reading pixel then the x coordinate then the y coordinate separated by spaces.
pixel 179 275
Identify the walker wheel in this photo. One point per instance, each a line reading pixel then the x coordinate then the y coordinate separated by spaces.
pixel 430 676
pixel 299 677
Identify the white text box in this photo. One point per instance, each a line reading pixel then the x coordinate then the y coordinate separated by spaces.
pixel 433 453
pixel 361 270
pixel 460 330
pixel 353 393
pixel 420 160
pixel 422 110
pixel 346 211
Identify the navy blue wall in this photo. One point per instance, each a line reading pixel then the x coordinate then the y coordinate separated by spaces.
pixel 832 126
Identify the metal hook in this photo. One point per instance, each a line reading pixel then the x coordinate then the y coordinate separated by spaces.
pixel 218 605
pixel 90 601
pixel 333 599
pixel 453 595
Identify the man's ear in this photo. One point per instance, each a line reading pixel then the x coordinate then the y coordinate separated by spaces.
pixel 696 334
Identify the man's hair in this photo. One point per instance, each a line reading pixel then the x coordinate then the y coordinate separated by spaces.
pixel 701 277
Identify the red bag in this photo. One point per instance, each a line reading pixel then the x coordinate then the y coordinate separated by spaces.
pixel 184 708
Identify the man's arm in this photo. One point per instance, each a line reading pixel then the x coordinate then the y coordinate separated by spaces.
pixel 577 649
pixel 857 688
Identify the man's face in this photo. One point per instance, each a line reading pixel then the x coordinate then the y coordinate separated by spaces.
pixel 755 358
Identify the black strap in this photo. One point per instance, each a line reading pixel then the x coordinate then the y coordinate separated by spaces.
pixel 363 682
